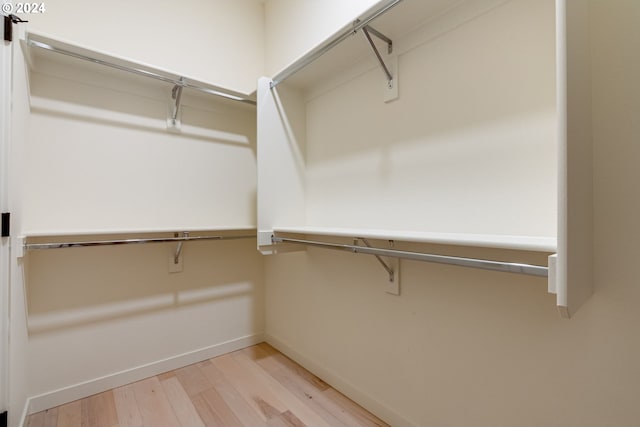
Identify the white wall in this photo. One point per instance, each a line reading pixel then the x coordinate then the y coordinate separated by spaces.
pixel 466 347
pixel 214 41
pixel 293 27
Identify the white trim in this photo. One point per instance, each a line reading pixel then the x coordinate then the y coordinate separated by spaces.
pixel 500 241
pixel 341 384
pixel 5 274
pixel 25 414
pixel 97 232
pixel 98 385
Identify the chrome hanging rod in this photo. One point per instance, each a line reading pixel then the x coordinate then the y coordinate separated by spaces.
pixel 187 238
pixel 181 82
pixel 507 267
pixel 331 43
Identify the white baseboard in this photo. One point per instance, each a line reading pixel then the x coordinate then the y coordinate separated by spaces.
pixel 23 417
pixel 78 391
pixel 342 385
pixel 98 385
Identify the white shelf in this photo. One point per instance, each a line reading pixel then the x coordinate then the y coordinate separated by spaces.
pixel 521 243
pixel 344 50
pixel 102 232
pixel 43 49
pixel 461 103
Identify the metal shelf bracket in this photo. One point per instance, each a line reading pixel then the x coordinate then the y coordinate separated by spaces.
pixel 386 266
pixel 392 266
pixel 173 121
pixel 176 258
pixel 368 30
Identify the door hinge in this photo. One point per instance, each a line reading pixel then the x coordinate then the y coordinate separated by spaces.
pixel 6 224
pixel 8 29
pixel 8 26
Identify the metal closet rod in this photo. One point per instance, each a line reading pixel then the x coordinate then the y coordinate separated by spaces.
pixel 330 44
pixel 507 267
pixel 181 82
pixel 62 245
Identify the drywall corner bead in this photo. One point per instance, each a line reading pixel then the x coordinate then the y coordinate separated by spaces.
pixel 553 259
pixel 19 247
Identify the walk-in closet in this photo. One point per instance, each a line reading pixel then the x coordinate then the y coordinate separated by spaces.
pixel 319 213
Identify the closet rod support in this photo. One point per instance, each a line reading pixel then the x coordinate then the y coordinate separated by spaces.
pixel 386 266
pixel 387 73
pixel 176 97
pixel 176 258
pixel 382 37
pixel 333 42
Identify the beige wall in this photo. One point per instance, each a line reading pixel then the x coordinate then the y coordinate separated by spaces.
pixel 91 154
pixel 100 158
pixel 435 160
pixel 616 103
pixel 293 27
pixel 465 347
pixel 98 312
pixel 458 347
pixel 117 312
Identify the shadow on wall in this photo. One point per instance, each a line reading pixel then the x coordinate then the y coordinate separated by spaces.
pixel 140 104
pixel 448 94
pixel 74 287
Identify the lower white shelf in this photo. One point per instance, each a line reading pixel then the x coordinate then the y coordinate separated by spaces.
pixel 522 243
pixel 136 231
pixel 58 240
pixel 270 240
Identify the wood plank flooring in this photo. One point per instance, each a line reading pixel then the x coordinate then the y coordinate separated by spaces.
pixel 254 387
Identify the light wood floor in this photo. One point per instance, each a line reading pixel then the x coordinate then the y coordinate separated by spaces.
pixel 257 386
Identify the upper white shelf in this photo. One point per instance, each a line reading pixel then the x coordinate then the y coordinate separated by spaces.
pixel 40 48
pixel 522 243
pixel 396 19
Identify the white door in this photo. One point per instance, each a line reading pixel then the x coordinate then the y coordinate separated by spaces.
pixel 5 111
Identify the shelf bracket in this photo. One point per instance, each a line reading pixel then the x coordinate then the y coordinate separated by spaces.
pixel 393 270
pixel 368 30
pixel 386 266
pixel 393 285
pixel 173 122
pixel 382 37
pixel 176 258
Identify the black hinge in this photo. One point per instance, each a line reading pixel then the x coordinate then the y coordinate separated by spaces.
pixel 4 419
pixel 8 26
pixel 8 29
pixel 6 224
